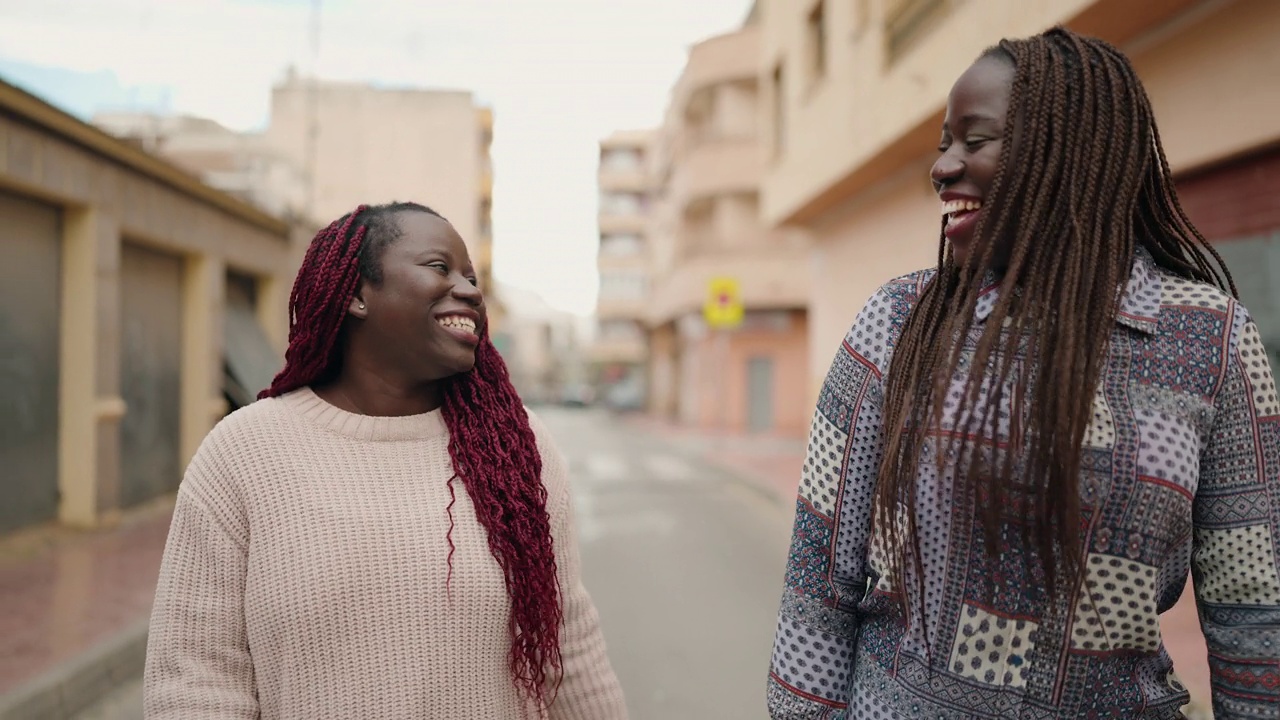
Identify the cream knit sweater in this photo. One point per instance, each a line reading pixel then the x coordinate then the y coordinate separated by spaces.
pixel 304 578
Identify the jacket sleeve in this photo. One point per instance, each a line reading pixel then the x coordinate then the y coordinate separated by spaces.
pixel 827 574
pixel 589 689
pixel 1237 534
pixel 198 664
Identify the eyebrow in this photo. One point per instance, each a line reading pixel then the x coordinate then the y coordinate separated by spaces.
pixel 970 119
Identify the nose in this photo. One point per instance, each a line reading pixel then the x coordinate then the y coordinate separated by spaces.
pixel 467 292
pixel 947 169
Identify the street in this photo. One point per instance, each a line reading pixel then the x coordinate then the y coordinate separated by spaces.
pixel 684 561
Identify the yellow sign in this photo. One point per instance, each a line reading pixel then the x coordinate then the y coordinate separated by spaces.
pixel 723 309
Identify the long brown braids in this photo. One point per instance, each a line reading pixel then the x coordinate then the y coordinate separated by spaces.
pixel 493 449
pixel 1084 183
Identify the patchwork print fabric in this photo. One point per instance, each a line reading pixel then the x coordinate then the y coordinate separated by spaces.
pixel 1181 471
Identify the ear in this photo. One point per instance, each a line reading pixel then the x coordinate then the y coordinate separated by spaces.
pixel 358 308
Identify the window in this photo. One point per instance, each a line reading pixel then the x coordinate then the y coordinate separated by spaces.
pixel 907 20
pixel 816 40
pixel 621 245
pixel 779 111
pixel 623 330
pixel 622 203
pixel 623 286
pixel 621 159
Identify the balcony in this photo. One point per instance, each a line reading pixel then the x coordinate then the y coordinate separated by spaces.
pixel 619 350
pixel 717 167
pixel 614 223
pixel 623 178
pixel 725 58
pixel 768 280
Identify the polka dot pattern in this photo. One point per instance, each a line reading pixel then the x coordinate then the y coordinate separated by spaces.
pixel 819 477
pixel 1238 566
pixel 1180 469
pixel 1117 607
pixel 992 649
pixel 1101 433
pixel 1261 381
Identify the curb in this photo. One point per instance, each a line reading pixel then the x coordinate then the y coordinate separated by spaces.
pixel 75 685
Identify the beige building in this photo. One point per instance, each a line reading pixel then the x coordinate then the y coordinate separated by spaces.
pixel 242 164
pixel 707 163
pixel 360 143
pixel 543 347
pixel 620 351
pixel 853 103
pixel 139 306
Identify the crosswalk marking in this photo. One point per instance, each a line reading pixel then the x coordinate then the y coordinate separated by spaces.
pixel 615 467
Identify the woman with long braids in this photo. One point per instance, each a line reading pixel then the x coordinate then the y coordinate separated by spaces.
pixel 387 532
pixel 1018 456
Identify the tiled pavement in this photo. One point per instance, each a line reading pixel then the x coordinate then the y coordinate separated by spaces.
pixel 75 606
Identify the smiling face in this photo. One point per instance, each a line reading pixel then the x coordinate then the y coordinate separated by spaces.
pixel 422 311
pixel 972 137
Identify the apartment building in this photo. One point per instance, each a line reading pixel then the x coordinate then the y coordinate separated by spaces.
pixel 363 144
pixel 855 90
pixel 620 351
pixel 708 160
pixel 241 164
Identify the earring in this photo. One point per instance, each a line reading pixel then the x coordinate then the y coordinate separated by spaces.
pixel 361 306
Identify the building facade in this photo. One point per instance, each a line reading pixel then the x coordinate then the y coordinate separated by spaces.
pixel 241 164
pixel 364 144
pixel 707 163
pixel 620 351
pixel 855 93
pixel 140 306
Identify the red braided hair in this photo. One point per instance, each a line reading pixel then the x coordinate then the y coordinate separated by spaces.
pixel 493 449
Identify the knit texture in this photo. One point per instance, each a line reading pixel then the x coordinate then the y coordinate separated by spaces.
pixel 306 575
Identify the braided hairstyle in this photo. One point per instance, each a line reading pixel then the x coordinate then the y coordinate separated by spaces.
pixel 1087 185
pixel 491 444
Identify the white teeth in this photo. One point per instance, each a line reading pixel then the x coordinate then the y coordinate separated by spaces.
pixel 954 206
pixel 456 321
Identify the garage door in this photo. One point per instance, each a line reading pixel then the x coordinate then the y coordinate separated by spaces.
pixel 151 335
pixel 30 235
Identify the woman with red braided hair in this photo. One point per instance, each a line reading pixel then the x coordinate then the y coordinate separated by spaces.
pixel 387 532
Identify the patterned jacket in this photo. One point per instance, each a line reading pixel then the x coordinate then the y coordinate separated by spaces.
pixel 1180 472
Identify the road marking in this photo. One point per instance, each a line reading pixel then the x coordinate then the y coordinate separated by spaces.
pixel 606 466
pixel 669 468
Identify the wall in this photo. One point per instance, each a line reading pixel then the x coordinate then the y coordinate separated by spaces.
pixel 375 146
pixel 715 393
pixel 105 190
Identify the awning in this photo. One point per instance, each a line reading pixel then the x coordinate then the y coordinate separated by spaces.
pixel 250 363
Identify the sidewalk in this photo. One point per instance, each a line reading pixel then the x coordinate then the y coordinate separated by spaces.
pixel 75 609
pixel 774 463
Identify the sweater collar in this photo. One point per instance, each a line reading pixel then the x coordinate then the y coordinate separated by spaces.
pixel 317 410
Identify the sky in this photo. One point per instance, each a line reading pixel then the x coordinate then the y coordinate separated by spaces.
pixel 559 75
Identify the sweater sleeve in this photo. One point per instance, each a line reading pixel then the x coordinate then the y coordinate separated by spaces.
pixel 198 663
pixel 589 689
pixel 1237 535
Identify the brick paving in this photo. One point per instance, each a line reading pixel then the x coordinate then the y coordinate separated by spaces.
pixel 64 592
